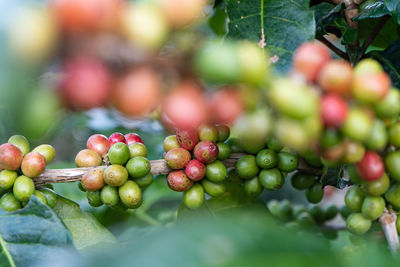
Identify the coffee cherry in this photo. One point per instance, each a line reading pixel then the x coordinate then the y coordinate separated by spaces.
pixel 178 181
pixel 93 180
pixel 23 188
pixel 8 202
pixel 246 167
pixel 194 197
pixel 353 152
pixel 354 198
pixel 226 105
pixel 130 194
pixel 317 213
pixel 50 196
pixel 145 180
pixel 177 158
pixel 213 189
pixel 345 212
pixel 234 144
pixel 372 207
pixel 80 186
pixel 287 162
pixel 392 164
pixel 119 154
pixel 216 171
pixel 271 179
pixel 109 195
pixel 371 166
pixel 253 187
pixel 170 142
pixel 355 178
pixel 267 159
pixel 138 167
pixel 333 111
pixel 187 138
pixel 33 164
pixel 330 212
pixel 274 145
pixel 10 157
pixel 389 106
pixel 181 13
pixel 285 210
pixel 141 86
pixel 315 193
pixel 208 132
pixel 40 196
pixel 370 88
pixel 87 158
pixel 309 59
pixel 137 150
pixel 336 77
pixel 48 152
pixel 94 198
pixel 206 151
pixel 116 138
pixel 394 135
pixel 86 83
pixel 21 142
pixel 357 125
pixel 393 195
pixel 378 187
pixel 115 175
pixel 378 137
pixel 302 180
pixel 98 143
pixel 195 170
pixel 357 224
pixel 7 179
pixel 223 132
pixel 224 151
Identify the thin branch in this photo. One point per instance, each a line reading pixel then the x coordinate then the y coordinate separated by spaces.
pixel 388 223
pixel 335 49
pixel 374 33
pixel 157 167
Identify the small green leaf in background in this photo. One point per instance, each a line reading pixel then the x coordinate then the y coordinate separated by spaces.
pixel 31 234
pixel 383 39
pixel 286 24
pixel 334 177
pixel 87 232
pixel 325 14
pixel 369 10
pixel 394 8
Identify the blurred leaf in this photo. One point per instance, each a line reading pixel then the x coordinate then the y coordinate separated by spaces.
pixel 325 14
pixel 285 24
pixel 31 234
pixel 383 39
pixel 334 177
pixel 372 10
pixel 86 231
pixel 394 8
pixel 390 60
pixel 218 20
pixel 349 35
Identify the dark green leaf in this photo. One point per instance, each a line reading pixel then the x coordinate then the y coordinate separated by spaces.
pixel 390 60
pixel 285 24
pixel 217 21
pixel 334 177
pixel 372 10
pixel 86 231
pixel 31 234
pixel 325 14
pixel 349 35
pixel 394 8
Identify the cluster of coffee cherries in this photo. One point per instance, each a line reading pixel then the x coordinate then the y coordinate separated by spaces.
pixel 127 170
pixel 202 171
pixel 18 168
pixel 266 169
pixel 300 215
pixel 336 115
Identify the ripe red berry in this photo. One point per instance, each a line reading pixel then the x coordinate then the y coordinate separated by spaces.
pixel 98 143
pixel 187 138
pixel 10 157
pixel 226 106
pixel 333 110
pixel 309 59
pixel 133 138
pixel 86 83
pixel 371 166
pixel 206 151
pixel 195 170
pixel 116 138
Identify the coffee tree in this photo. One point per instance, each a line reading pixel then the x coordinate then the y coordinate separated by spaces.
pixel 251 115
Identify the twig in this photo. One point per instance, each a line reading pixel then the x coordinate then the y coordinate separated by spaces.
pixel 157 167
pixel 373 35
pixel 388 223
pixel 337 51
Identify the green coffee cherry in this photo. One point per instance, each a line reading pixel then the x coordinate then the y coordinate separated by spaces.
pixel 267 159
pixel 213 189
pixel 302 180
pixel 138 167
pixel 145 180
pixel 372 207
pixel 393 195
pixel 224 151
pixel 94 198
pixel 253 187
pixel 216 171
pixel 7 179
pixel 354 198
pixel 287 162
pixel 130 194
pixel 51 197
pixel 377 187
pixel 357 224
pixel 8 202
pixel 109 195
pixel 315 193
pixel 40 196
pixel 194 197
pixel 21 142
pixel 23 188
pixel 246 167
pixel 271 179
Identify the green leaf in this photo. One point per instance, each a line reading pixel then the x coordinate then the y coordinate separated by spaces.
pixel 394 8
pixel 383 39
pixel 285 24
pixel 325 14
pixel 390 60
pixel 372 10
pixel 31 234
pixel 334 177
pixel 87 233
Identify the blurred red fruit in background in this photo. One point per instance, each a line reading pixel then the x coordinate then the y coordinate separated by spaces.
pixel 336 77
pixel 333 110
pixel 86 84
pixel 226 106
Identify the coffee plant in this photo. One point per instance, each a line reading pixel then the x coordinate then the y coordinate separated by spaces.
pixel 226 130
